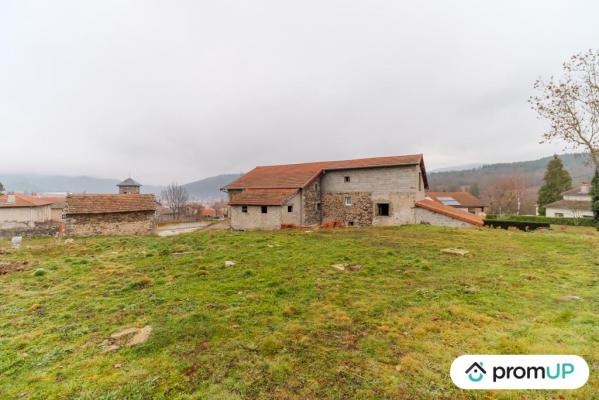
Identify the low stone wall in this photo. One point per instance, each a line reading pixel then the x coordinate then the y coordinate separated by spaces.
pixel 360 212
pixel 123 223
pixel 429 217
pixel 39 229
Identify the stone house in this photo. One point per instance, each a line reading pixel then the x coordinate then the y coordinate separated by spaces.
pixel 362 192
pixel 109 214
pixel 21 211
pixel 464 201
pixel 575 203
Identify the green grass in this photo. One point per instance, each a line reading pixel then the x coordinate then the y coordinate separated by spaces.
pixel 282 323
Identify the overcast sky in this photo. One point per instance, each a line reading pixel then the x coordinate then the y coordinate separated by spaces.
pixel 180 90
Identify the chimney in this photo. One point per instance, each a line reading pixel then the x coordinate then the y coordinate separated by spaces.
pixel 584 188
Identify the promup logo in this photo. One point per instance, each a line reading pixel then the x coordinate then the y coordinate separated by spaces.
pixel 476 372
pixel 519 372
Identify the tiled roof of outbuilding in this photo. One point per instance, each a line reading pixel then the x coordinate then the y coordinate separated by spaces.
pixel 129 182
pixel 109 203
pixel 571 205
pixel 263 197
pixel 297 176
pixel 450 212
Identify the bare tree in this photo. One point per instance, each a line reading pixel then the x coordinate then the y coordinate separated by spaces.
pixel 175 196
pixel 571 104
pixel 506 194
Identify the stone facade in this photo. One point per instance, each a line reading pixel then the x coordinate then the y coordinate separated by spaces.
pixel 50 228
pixel 359 213
pixel 311 198
pixel 118 223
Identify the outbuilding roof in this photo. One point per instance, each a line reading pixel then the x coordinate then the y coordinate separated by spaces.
pixel 296 176
pixel 450 212
pixel 263 197
pixel 24 200
pixel 109 203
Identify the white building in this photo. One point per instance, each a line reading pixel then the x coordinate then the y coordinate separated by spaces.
pixel 576 203
pixel 23 211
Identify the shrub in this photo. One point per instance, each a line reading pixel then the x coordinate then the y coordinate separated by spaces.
pixel 39 272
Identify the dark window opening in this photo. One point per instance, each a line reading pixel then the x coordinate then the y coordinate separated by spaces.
pixel 289 208
pixel 264 209
pixel 382 209
pixel 350 223
pixel 318 206
pixel 316 186
pixel 244 209
pixel 347 179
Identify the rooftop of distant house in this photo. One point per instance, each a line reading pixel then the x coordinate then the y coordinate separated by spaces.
pixel 10 200
pixel 129 182
pixel 456 199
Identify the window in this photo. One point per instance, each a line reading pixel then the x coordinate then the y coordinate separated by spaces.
pixel 347 179
pixel 348 200
pixel 318 206
pixel 448 201
pixel 316 186
pixel 382 209
pixel 264 209
pixel 289 208
pixel 244 209
pixel 559 215
pixel 350 223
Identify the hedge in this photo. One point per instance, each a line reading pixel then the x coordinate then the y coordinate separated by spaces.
pixel 545 220
pixel 522 225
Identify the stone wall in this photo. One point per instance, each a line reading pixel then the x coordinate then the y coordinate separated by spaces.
pixel 311 196
pixel 360 213
pixel 429 217
pixel 39 229
pixel 124 223
pixel 384 179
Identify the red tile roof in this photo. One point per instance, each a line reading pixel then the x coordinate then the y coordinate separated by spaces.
pixel 263 197
pixel 24 200
pixel 464 198
pixel 299 175
pixel 109 203
pixel 450 212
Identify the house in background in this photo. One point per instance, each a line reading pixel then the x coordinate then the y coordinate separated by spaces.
pixel 372 191
pixel 126 213
pixel 21 211
pixel 575 203
pixel 464 201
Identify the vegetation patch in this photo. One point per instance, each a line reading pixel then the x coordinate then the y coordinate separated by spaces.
pixel 283 323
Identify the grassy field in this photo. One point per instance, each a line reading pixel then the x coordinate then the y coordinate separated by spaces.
pixel 283 323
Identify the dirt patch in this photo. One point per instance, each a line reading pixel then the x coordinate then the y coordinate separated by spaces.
pixel 15 266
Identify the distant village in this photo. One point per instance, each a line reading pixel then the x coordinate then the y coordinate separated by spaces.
pixel 378 191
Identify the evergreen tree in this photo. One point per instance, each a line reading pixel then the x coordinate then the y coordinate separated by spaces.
pixel 475 189
pixel 556 181
pixel 595 197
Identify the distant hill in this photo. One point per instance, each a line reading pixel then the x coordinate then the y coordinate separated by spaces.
pixel 531 171
pixel 458 167
pixel 61 183
pixel 204 189
pixel 209 188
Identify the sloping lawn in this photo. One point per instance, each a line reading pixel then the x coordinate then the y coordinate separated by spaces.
pixel 283 323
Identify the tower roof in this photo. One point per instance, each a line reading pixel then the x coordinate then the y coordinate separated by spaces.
pixel 129 182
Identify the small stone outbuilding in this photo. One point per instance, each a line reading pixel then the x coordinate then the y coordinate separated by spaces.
pixel 109 214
